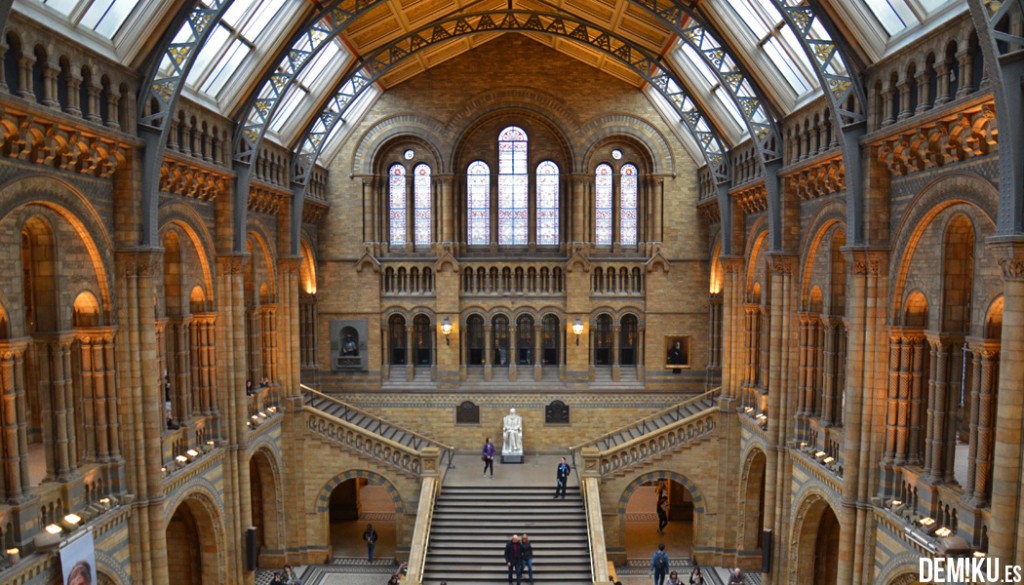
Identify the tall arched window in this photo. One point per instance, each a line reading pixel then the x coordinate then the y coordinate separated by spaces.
pixel 603 205
pixel 421 204
pixel 478 203
pixel 397 205
pixel 627 205
pixel 513 188
pixel 547 204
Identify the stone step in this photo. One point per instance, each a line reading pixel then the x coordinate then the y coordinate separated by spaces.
pixel 472 524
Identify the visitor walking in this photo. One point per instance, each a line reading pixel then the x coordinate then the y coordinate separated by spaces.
pixel 659 565
pixel 514 558
pixel 736 578
pixel 370 536
pixel 487 454
pixel 562 477
pixel 662 512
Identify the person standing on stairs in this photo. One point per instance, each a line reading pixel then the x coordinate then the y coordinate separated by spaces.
pixel 659 565
pixel 514 558
pixel 487 454
pixel 562 477
pixel 528 555
pixel 370 536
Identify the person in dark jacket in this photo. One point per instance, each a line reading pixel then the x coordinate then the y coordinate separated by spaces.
pixel 487 454
pixel 370 536
pixel 515 557
pixel 562 477
pixel 527 555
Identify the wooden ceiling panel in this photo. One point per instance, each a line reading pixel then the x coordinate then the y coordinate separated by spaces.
pixel 597 11
pixel 366 39
pixel 617 69
pixel 578 51
pixel 404 70
pixel 651 36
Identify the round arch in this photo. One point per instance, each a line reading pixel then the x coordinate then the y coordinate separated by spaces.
pixel 266 492
pixel 192 524
pixel 813 509
pixel 593 135
pixel 429 132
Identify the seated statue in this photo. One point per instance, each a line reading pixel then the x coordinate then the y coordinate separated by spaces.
pixel 512 437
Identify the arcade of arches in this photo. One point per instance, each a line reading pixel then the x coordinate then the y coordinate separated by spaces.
pixel 204 258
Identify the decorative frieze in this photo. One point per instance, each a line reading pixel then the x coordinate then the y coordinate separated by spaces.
pixel 953 137
pixel 182 176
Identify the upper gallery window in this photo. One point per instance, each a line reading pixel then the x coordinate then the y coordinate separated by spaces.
pixel 547 204
pixel 607 206
pixel 513 188
pixel 478 203
pixel 399 203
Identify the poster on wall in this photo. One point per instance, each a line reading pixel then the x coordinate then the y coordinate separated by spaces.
pixel 78 560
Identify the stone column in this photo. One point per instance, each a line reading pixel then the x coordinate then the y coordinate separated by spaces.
pixel 538 350
pixel 14 480
pixel 986 415
pixel 805 393
pixel 733 318
pixel 385 344
pixel 938 409
pixel 579 197
pixel 446 188
pixel 828 378
pixel 941 83
pixel 488 351
pixel 410 364
pixel 513 350
pixel 616 365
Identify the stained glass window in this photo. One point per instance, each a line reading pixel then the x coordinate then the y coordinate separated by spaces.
pixel 513 188
pixel 421 204
pixel 603 207
pixel 397 204
pixel 478 204
pixel 627 205
pixel 547 204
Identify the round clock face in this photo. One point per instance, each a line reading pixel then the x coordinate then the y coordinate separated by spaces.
pixel 616 154
pixel 409 154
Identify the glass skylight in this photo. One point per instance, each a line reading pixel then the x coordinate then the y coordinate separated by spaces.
pixel 230 48
pixel 105 17
pixel 315 77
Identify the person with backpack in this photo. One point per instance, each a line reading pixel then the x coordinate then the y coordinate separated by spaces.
pixel 659 565
pixel 370 536
pixel 662 512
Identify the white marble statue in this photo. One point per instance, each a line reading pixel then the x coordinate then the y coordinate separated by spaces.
pixel 512 437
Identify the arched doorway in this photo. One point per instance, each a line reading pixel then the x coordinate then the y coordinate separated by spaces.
pixel 354 504
pixel 753 501
pixel 263 494
pixel 193 550
pixel 641 524
pixel 817 551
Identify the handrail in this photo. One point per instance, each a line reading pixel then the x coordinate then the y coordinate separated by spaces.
pixel 595 529
pixel 446 449
pixel 421 530
pixel 643 422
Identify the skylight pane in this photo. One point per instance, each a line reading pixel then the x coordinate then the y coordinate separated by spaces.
pixel 284 112
pixel 751 17
pixel 726 101
pixel 226 67
pixel 697 62
pixel 786 66
pixel 233 15
pixel 106 17
pixel 261 18
pixel 63 6
pixel 330 53
pixel 214 43
pixel 894 15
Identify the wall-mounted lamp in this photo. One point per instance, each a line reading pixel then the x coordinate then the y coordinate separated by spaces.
pixel 446 328
pixel 577 328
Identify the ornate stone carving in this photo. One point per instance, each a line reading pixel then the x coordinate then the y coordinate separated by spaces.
pixel 266 199
pixel 952 137
pixel 752 199
pixel 823 176
pixel 365 444
pixel 37 138
pixel 1013 268
pixel 667 439
pixel 182 176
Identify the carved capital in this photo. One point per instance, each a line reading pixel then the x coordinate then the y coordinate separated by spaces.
pixel 231 264
pixel 782 263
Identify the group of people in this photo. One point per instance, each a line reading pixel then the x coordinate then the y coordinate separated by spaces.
pixel 660 569
pixel 285 577
pixel 519 556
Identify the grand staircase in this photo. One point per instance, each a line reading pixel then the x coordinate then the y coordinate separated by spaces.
pixel 655 421
pixel 368 422
pixel 472 524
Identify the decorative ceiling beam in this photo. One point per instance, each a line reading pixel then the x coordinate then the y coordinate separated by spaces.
pixel 1002 45
pixel 317 33
pixel 844 94
pixel 168 69
pixel 693 30
pixel 637 59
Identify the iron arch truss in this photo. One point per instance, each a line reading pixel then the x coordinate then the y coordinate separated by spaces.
pixel 1002 44
pixel 637 59
pixel 693 30
pixel 320 29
